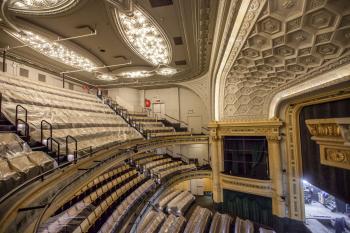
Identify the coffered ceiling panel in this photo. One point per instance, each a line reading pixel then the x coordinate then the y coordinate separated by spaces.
pixel 289 41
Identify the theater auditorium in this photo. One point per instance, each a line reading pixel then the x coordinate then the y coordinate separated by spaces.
pixel 175 116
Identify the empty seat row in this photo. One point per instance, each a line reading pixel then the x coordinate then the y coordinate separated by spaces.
pixel 152 222
pixel 221 223
pixel 90 220
pixel 163 201
pixel 120 212
pixel 85 210
pixel 165 173
pixel 82 116
pixel 19 163
pixel 148 159
pixel 173 224
pixel 102 178
pixel 167 134
pixel 179 205
pixel 243 226
pixel 165 166
pixel 156 163
pixel 199 221
pixel 42 87
pixel 157 129
pixel 137 157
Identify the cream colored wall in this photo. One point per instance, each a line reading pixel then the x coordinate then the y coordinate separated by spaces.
pixel 180 103
pixel 14 67
pixel 186 185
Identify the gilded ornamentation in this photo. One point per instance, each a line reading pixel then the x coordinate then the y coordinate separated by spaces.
pixel 336 155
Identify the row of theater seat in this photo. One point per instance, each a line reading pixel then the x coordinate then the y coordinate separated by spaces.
pixel 201 219
pixel 19 163
pixel 89 210
pixel 102 203
pixel 80 115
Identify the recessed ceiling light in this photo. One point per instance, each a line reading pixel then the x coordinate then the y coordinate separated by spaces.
pixel 54 50
pixel 144 36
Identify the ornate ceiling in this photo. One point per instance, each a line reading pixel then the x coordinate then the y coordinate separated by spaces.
pixel 186 24
pixel 290 42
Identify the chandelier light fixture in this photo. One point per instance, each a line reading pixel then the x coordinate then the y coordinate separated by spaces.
pixel 141 32
pixel 54 50
pixel 136 74
pixel 166 71
pixel 41 6
pixel 106 77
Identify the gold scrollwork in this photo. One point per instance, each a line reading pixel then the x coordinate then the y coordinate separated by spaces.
pixel 337 155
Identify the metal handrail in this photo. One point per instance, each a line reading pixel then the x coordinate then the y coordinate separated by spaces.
pixel 26 131
pixel 25 116
pixel 51 139
pixel 0 103
pixel 76 147
pixel 42 129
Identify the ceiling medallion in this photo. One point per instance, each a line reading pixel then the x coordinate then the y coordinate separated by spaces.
pixel 41 7
pixel 143 34
pixel 54 50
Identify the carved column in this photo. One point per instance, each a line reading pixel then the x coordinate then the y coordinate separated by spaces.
pixel 275 166
pixel 215 165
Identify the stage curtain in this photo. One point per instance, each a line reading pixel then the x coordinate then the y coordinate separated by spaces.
pixel 335 181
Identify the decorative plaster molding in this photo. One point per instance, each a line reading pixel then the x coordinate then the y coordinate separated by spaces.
pixel 246 185
pixel 332 135
pixel 281 52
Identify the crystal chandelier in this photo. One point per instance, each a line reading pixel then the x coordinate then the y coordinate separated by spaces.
pixel 144 36
pixel 54 50
pixel 41 6
pixel 135 74
pixel 106 77
pixel 166 71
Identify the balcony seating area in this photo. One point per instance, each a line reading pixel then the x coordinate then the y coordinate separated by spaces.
pixel 170 171
pixel 96 200
pixel 120 212
pixel 243 226
pixel 80 115
pixel 180 203
pixel 173 224
pixel 221 223
pixel 19 163
pixel 151 222
pixel 199 221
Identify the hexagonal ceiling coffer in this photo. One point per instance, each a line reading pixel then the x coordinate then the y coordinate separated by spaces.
pixel 259 42
pixel 270 25
pixel 310 61
pixel 342 37
pixel 284 51
pixel 327 49
pixel 320 19
pixel 273 61
pixel 299 38
pixel 245 62
pixel 252 53
pixel 286 8
pixel 296 68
